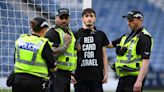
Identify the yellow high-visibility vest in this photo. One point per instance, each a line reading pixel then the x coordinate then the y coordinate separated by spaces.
pixel 28 56
pixel 130 63
pixel 68 60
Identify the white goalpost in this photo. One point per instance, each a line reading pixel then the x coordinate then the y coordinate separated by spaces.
pixel 14 20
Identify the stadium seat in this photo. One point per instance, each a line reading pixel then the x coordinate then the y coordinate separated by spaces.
pixel 109 19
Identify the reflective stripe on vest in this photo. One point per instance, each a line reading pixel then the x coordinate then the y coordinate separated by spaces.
pixel 131 61
pixel 33 72
pixel 65 63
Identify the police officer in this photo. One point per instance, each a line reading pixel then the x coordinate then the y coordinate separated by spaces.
pixel 64 48
pixel 92 66
pixel 33 59
pixel 133 52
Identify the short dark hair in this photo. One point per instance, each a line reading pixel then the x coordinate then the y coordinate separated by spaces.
pixel 38 23
pixel 88 10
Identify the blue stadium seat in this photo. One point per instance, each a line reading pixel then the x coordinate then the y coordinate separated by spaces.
pixel 109 19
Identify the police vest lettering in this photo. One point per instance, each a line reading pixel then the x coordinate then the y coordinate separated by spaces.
pixel 28 46
pixel 89 62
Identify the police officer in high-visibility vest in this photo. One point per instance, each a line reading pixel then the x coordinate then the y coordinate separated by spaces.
pixel 133 52
pixel 33 59
pixel 64 50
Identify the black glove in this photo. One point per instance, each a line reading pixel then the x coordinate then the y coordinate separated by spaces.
pixel 112 66
pixel 10 79
pixel 120 50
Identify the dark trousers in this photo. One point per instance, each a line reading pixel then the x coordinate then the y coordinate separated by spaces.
pixel 88 86
pixel 60 82
pixel 126 83
pixel 27 83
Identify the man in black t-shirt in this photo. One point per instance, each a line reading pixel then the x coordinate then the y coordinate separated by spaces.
pixel 92 64
pixel 133 52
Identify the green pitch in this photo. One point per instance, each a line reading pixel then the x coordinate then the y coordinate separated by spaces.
pixel 4 90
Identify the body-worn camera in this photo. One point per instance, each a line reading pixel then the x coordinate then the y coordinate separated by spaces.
pixel 120 50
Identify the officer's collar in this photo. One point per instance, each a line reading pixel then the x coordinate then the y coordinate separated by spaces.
pixel 88 30
pixel 35 35
pixel 57 26
pixel 138 31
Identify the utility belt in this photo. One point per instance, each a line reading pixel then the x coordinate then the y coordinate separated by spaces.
pixel 128 69
pixel 44 82
pixel 27 75
pixel 63 72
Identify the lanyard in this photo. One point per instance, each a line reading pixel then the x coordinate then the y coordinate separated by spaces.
pixel 129 37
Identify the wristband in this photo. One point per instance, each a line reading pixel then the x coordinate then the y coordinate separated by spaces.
pixel 65 46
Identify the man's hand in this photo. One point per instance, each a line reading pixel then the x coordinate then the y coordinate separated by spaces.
pixel 53 69
pixel 137 86
pixel 73 80
pixel 105 79
pixel 78 47
pixel 67 39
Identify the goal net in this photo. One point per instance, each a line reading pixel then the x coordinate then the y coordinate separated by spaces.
pixel 14 20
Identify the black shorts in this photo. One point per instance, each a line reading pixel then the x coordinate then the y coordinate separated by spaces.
pixel 89 86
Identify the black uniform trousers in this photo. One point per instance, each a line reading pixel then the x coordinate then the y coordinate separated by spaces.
pixel 27 83
pixel 61 81
pixel 126 84
pixel 89 86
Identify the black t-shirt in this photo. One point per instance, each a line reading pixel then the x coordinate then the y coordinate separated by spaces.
pixel 90 58
pixel 143 45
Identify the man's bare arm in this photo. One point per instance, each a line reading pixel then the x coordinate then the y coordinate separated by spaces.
pixel 61 49
pixel 105 63
pixel 142 73
pixel 110 45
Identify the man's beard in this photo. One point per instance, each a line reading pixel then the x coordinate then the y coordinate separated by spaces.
pixel 89 25
pixel 64 26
